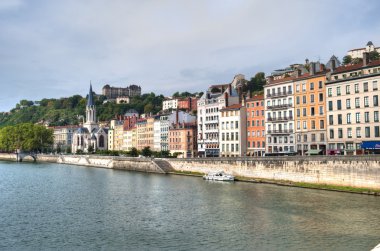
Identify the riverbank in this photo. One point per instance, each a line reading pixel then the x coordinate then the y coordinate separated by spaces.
pixel 354 174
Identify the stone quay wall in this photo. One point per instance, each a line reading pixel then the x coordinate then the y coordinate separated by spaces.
pixel 351 171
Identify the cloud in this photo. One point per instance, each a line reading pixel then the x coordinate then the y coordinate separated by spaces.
pixel 54 48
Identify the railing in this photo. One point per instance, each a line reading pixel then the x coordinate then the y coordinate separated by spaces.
pixel 279 119
pixel 283 106
pixel 279 94
pixel 284 131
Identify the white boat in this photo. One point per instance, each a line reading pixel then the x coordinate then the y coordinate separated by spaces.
pixel 219 176
pixel 377 248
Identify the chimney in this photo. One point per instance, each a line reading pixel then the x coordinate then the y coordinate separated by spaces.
pixel 226 98
pixel 230 88
pixel 270 79
pixel 333 65
pixel 312 69
pixel 176 116
pixel 365 58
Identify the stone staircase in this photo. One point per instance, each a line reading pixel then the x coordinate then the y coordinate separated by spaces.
pixel 164 165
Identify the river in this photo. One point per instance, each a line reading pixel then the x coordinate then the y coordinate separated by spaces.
pixel 52 206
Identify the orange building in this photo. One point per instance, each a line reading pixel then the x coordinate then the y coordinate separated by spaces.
pixel 183 139
pixel 310 114
pixel 255 126
pixel 189 104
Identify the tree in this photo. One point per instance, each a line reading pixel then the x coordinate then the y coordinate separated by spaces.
pixel 347 60
pixel 148 108
pixel 215 90
pixel 257 82
pixel 146 151
pixel 134 152
pixel 357 60
pixel 374 55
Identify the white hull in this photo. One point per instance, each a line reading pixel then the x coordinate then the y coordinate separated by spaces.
pixel 219 176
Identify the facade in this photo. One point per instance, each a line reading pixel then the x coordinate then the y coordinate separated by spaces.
pixel 115 135
pixel 115 92
pixel 353 107
pixel 170 104
pixel 183 139
pixel 279 118
pixel 157 134
pixel 145 133
pixel 233 131
pixel 91 136
pixel 255 126
pixel 122 100
pixel 209 105
pixel 188 104
pixel 63 137
pixel 358 53
pixel 310 111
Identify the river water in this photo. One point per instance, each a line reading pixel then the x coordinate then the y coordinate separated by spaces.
pixel 52 206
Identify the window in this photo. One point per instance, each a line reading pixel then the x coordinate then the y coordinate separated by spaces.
pixel 348 116
pixel 304 99
pixel 313 137
pixel 331 119
pixel 322 137
pixel 340 133
pixel 338 91
pixel 375 100
pixel 312 111
pixel 374 85
pixel 349 132
pixel 298 113
pixel 304 112
pixel 357 115
pixel 305 138
pixel 339 104
pixel 320 85
pixel 331 133
pixel 329 92
pixel 348 103
pixel 321 124
pixel 376 116
pixel 298 100
pixel 366 103
pixel 321 110
pixel 304 125
pixel 236 124
pixel 377 131
pixel 303 87
pixel 358 132
pixel 298 88
pixel 367 132
pixel 356 88
pixel 298 125
pixel 365 86
pixel 311 86
pixel 357 102
pixel 330 105
pixel 312 98
pixel 347 89
pixel 313 124
pixel 339 119
pixel 320 97
pixel 366 117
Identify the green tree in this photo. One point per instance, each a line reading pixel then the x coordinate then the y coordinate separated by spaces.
pixel 374 55
pixel 134 152
pixel 256 83
pixel 148 108
pixel 347 60
pixel 146 151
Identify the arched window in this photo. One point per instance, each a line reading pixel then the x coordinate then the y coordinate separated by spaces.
pixel 101 141
pixel 81 140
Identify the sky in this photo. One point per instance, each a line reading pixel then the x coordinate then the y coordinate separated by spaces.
pixel 53 49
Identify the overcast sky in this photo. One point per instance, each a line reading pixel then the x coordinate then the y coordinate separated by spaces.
pixel 52 49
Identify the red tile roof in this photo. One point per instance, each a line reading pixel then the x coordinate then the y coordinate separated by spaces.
pixel 256 98
pixel 232 107
pixel 353 67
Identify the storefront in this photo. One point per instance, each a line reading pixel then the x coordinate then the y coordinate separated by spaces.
pixel 371 147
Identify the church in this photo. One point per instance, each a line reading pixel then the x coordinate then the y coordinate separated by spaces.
pixel 90 136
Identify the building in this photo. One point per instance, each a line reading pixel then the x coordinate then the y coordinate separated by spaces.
pixel 145 133
pixel 353 106
pixel 115 135
pixel 157 133
pixel 63 137
pixel 310 114
pixel 115 92
pixel 279 118
pixel 130 132
pixel 90 136
pixel 188 104
pixel 209 105
pixel 183 139
pixel 255 126
pixel 170 104
pixel 358 53
pixel 122 100
pixel 233 131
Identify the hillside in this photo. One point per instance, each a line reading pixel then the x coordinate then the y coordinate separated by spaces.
pixel 65 111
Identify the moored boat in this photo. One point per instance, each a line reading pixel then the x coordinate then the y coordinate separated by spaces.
pixel 219 176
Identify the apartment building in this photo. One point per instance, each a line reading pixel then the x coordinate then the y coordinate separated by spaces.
pixel 279 106
pixel 353 107
pixel 115 135
pixel 63 137
pixel 170 103
pixel 130 132
pixel 183 139
pixel 209 105
pixel 145 133
pixel 255 126
pixel 310 114
pixel 233 131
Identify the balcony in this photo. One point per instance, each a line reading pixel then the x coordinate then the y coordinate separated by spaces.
pixel 284 131
pixel 279 94
pixel 279 119
pixel 278 107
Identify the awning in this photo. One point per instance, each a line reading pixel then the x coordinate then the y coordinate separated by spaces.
pixel 313 152
pixel 370 145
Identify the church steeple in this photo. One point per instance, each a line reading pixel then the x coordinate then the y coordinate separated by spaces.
pixel 90 111
pixel 90 101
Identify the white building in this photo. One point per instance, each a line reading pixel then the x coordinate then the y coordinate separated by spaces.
pixel 233 131
pixel 170 104
pixel 209 106
pixel 157 134
pixel 358 53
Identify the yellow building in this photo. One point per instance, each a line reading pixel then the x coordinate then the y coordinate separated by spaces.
pixel 145 133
